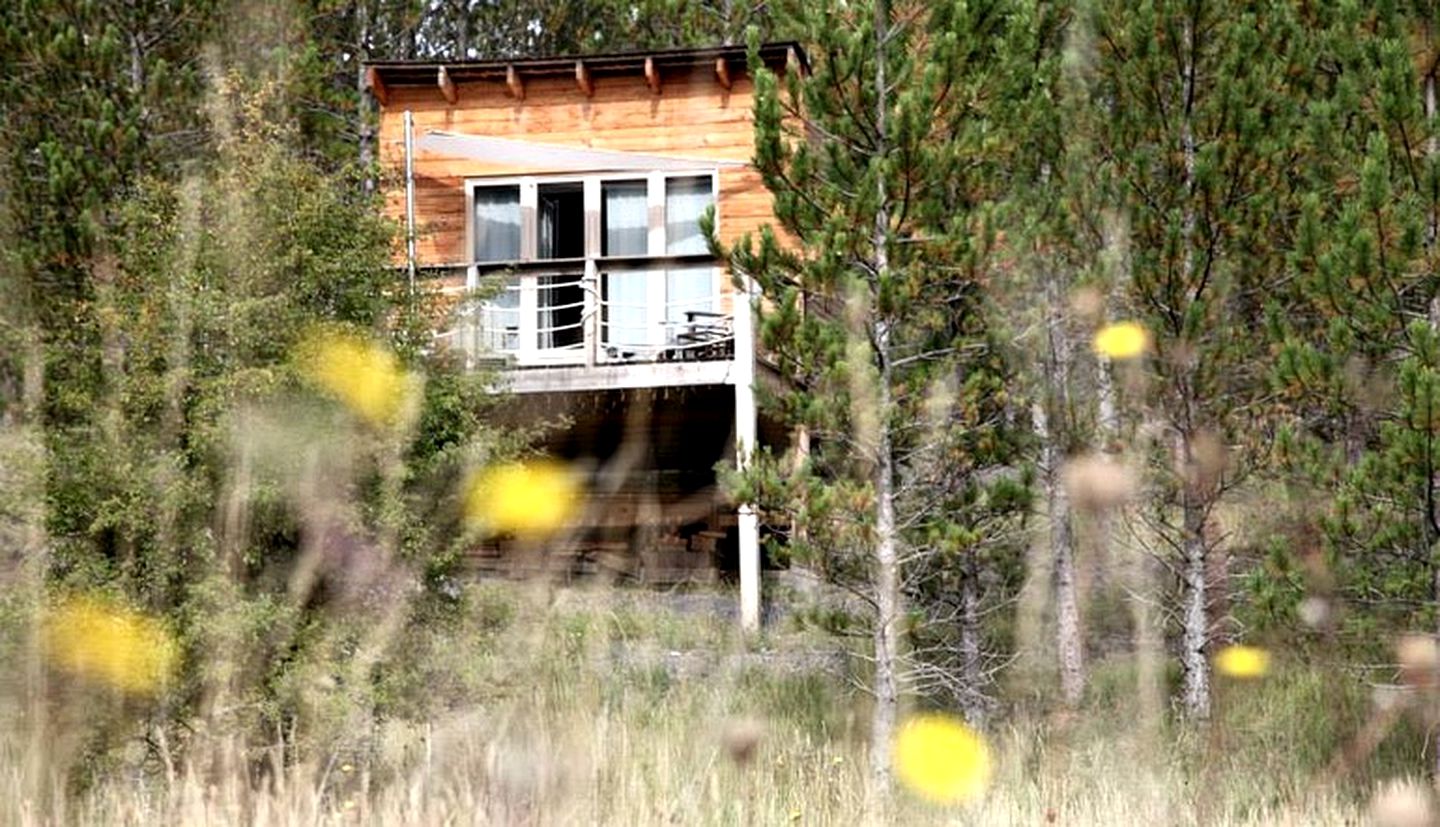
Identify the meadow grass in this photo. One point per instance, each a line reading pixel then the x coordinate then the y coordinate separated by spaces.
pixel 619 711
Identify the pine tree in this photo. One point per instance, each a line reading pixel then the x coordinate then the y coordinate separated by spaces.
pixel 1359 372
pixel 883 165
pixel 1362 274
pixel 1197 143
pixel 1052 241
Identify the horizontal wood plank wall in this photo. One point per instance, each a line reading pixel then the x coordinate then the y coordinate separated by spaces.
pixel 693 116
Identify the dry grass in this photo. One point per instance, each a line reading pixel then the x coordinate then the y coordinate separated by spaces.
pixel 583 723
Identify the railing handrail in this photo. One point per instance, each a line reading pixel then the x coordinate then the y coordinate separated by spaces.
pixel 508 319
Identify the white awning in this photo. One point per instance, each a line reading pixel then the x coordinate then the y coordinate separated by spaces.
pixel 509 152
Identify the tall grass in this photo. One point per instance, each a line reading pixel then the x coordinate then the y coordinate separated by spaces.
pixel 609 708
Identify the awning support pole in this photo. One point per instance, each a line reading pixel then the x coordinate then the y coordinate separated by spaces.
pixel 410 197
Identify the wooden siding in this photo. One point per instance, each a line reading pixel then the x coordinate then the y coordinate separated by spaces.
pixel 692 116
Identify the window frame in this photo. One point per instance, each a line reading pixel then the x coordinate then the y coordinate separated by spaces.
pixel 529 268
pixel 590 184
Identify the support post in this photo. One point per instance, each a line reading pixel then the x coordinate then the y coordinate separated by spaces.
pixel 410 197
pixel 745 428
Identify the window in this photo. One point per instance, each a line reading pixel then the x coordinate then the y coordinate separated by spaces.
pixel 631 213
pixel 560 299
pixel 561 210
pixel 497 223
pixel 625 217
pixel 594 227
pixel 686 199
pixel 689 291
pixel 625 220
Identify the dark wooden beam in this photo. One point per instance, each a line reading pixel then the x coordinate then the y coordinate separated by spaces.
pixel 376 85
pixel 652 75
pixel 447 86
pixel 722 72
pixel 583 79
pixel 513 81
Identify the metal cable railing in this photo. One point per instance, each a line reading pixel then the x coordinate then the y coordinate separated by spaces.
pixel 520 321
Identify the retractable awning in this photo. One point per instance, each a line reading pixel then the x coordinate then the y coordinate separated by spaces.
pixel 557 158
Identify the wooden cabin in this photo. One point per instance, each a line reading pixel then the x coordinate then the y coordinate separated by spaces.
pixel 558 200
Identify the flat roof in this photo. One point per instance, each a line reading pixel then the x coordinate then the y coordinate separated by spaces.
pixel 398 73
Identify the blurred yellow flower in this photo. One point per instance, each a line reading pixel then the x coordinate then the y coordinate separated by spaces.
pixel 526 498
pixel 364 376
pixel 1121 340
pixel 941 759
pixel 1245 662
pixel 109 644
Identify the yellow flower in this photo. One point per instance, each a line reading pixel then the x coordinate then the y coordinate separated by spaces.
pixel 109 644
pixel 941 759
pixel 529 499
pixel 364 376
pixel 1122 340
pixel 1245 662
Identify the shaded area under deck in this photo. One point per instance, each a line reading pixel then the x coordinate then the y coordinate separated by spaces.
pixel 654 512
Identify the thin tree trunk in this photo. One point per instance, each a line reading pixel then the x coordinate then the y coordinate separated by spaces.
pixel 1435 597
pixel 1069 644
pixel 1107 415
pixel 1430 149
pixel 887 562
pixel 973 705
pixel 1195 616
pixel 1430 237
pixel 1068 639
pixel 363 111
pixel 887 609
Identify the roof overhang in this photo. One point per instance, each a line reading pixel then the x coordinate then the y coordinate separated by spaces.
pixel 509 152
pixel 382 75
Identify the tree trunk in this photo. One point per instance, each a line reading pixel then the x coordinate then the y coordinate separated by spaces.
pixel 1068 639
pixel 887 611
pixel 1435 596
pixel 1195 616
pixel 363 112
pixel 1069 644
pixel 1431 232
pixel 887 562
pixel 971 670
pixel 1430 148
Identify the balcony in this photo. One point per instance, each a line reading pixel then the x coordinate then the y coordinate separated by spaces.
pixel 599 315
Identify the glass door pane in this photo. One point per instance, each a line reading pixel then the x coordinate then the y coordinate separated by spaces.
pixel 624 217
pixel 500 318
pixel 689 304
pixel 497 223
pixel 626 305
pixel 561 303
pixel 686 199
pixel 561 209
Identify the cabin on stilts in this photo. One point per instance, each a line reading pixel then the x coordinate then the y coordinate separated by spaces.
pixel 558 201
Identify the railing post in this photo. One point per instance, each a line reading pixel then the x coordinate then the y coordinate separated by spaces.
pixel 529 320
pixel 590 285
